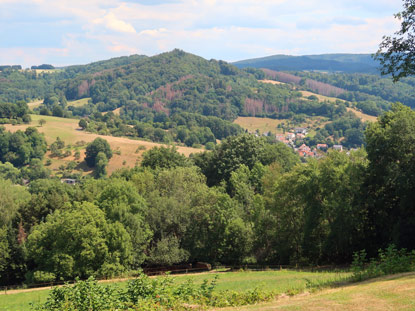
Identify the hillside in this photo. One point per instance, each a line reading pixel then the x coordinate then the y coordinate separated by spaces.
pixel 128 152
pixel 183 98
pixel 347 63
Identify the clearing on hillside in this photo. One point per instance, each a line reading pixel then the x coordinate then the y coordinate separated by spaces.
pixel 261 124
pixel 364 117
pixel 69 131
pixel 35 104
pixel 264 125
pixel 271 81
pixel 79 103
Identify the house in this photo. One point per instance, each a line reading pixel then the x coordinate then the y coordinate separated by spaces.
pixel 338 147
pixel 300 136
pixel 280 137
pixel 68 181
pixel 322 146
pixel 300 130
pixel 290 136
pixel 304 148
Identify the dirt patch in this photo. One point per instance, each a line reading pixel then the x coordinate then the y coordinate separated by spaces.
pixel 271 82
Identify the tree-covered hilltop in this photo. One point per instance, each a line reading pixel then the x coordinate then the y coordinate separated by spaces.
pixel 346 63
pixel 177 82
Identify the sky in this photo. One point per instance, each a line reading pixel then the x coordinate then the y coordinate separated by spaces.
pixel 68 32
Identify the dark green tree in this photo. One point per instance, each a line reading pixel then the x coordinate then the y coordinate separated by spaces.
pixel 101 163
pixel 391 182
pixel 79 242
pixel 92 150
pixel 83 124
pixel 397 53
pixel 162 157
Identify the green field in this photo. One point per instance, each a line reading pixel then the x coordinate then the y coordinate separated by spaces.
pixel 395 292
pixel 283 281
pixel 79 103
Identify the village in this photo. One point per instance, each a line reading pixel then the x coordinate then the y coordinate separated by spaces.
pixel 298 134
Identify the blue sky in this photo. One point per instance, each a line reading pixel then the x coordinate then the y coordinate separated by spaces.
pixel 64 32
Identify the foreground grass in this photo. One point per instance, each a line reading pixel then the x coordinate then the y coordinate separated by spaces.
pixel 21 301
pixel 395 292
pixel 284 281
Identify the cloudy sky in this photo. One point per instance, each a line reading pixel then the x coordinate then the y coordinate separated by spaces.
pixel 63 32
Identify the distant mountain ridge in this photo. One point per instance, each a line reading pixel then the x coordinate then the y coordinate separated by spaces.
pixel 347 63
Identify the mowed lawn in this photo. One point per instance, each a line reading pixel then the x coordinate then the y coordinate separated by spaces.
pixel 283 281
pixel 396 292
pixel 69 131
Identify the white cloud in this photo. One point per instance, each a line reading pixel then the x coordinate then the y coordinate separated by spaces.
pixel 226 29
pixel 111 22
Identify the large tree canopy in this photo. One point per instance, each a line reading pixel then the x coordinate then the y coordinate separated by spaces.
pixel 391 183
pixel 94 148
pixel 397 53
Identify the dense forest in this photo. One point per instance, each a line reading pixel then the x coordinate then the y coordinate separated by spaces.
pixel 246 201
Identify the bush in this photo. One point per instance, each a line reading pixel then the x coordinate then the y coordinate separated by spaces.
pixel 390 261
pixel 38 277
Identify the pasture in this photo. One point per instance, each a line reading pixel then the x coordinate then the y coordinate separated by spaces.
pixel 261 124
pixel 79 103
pixel 271 125
pixel 364 117
pixel 68 130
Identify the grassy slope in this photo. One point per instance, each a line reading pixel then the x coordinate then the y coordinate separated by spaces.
pixel 395 292
pixel 262 124
pixel 281 281
pixel 79 102
pixel 68 131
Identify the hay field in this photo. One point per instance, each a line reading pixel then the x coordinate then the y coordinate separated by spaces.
pixel 363 116
pixel 69 132
pixel 262 124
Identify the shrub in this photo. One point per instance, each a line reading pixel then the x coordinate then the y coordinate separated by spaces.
pixel 390 261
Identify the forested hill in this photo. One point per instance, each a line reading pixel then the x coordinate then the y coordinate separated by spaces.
pixel 17 84
pixel 176 82
pixel 347 63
